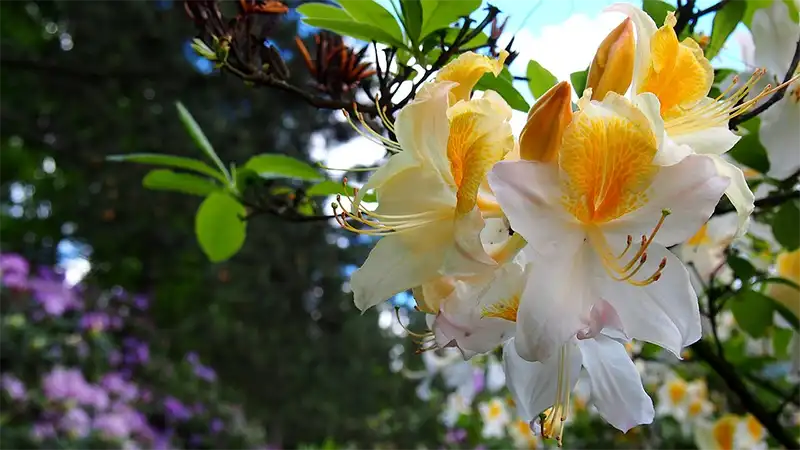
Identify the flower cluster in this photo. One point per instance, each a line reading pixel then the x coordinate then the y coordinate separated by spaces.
pixel 554 244
pixel 79 369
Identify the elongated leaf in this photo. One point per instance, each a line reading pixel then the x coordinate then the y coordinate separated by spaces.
pixel 330 187
pixel 578 80
pixel 358 30
pixel 282 166
pixel 657 10
pixel 438 14
pixel 179 162
pixel 540 80
pixel 371 13
pixel 753 312
pixel 219 226
pixel 785 224
pixel 412 18
pixel 200 138
pixel 503 85
pixel 323 11
pixel 167 180
pixel 725 21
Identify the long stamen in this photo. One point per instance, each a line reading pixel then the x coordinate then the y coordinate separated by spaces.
pixel 553 423
pixel 373 136
pixel 626 272
pixel 382 114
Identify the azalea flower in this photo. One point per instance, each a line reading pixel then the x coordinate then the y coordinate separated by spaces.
pixel 522 436
pixel 456 405
pixel 775 37
pixel 705 251
pixel 686 401
pixel 597 222
pixel 495 417
pixel 787 267
pixel 680 77
pixel 430 209
pixel 546 387
pixel 729 432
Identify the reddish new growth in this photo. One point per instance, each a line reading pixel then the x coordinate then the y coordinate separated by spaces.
pixel 336 68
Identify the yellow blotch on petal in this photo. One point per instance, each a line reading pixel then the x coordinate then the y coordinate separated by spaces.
pixel 608 162
pixel 466 70
pixel 504 309
pixel 679 74
pixel 430 295
pixel 724 431
pixel 754 427
pixel 699 238
pixel 478 139
pixel 547 120
pixel 612 66
pixel 788 266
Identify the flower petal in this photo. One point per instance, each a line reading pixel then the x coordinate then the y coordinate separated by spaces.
pixel 555 299
pixel 664 312
pixel 645 29
pixel 738 192
pixel 689 190
pixel 400 262
pixel 467 69
pixel 530 195
pixel 708 141
pixel 778 133
pixel 774 35
pixel 533 384
pixel 616 386
pixel 467 256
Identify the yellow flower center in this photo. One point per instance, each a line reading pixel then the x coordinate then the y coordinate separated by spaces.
pixel 724 431
pixel 677 391
pixel 754 427
pixel 504 309
pixel 678 74
pixel 695 408
pixel 495 410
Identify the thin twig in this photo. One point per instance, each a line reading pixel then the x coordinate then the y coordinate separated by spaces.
pixel 776 97
pixel 766 202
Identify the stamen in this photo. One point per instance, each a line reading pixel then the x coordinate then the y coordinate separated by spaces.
pixel 410 333
pixel 625 272
pixel 382 114
pixel 721 110
pixel 553 423
pixel 373 135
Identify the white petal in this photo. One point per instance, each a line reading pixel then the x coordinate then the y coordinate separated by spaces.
pixel 616 386
pixel 738 192
pixel 671 153
pixel 665 312
pixel 400 262
pixel 780 135
pixel 649 104
pixel 530 195
pixel 645 28
pixel 395 166
pixel 533 384
pixel 415 191
pixel 774 36
pixel 467 256
pixel 555 299
pixel 709 141
pixel 689 190
pixel 462 320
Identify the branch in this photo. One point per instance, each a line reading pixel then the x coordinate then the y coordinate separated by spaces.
pixel 730 376
pixel 766 202
pixel 712 8
pixel 776 97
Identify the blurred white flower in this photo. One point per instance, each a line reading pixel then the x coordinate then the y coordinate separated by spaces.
pixel 522 436
pixel 495 417
pixel 457 404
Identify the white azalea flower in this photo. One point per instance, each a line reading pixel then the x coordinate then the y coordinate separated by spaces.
pixel 495 417
pixel 597 224
pixel 522 436
pixel 729 432
pixel 456 405
pixel 705 251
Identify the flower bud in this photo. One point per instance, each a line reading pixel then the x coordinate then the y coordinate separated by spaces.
pixel 547 119
pixel 612 67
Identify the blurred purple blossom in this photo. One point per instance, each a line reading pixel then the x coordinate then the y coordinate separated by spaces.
pixel 141 302
pixel 455 436
pixel 117 384
pixel 176 410
pixel 201 371
pixel 69 384
pixel 42 431
pixel 112 425
pixel 217 425
pixel 55 296
pixel 76 422
pixel 95 321
pixel 478 380
pixel 13 386
pixel 14 271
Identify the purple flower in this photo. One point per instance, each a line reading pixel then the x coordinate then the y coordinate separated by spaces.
pixel 95 321
pixel 76 422
pixel 112 425
pixel 192 358
pixel 69 384
pixel 176 409
pixel 478 380
pixel 137 351
pixel 141 302
pixel 42 431
pixel 114 357
pixel 162 441
pixel 205 373
pixel 455 436
pixel 13 386
pixel 14 271
pixel 116 384
pixel 217 425
pixel 55 296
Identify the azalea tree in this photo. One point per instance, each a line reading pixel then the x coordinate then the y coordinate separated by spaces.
pixel 653 222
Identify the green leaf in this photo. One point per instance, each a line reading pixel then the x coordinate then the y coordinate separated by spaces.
pixel 755 5
pixel 200 138
pixel 219 226
pixel 780 342
pixel 179 162
pixel 742 268
pixel 503 85
pixel 330 187
pixel 355 29
pixel 657 10
pixel 578 80
pixel 753 311
pixel 412 18
pixel 167 180
pixel 785 224
pixel 438 14
pixel 371 13
pixel 749 150
pixel 540 80
pixel 725 21
pixel 271 166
